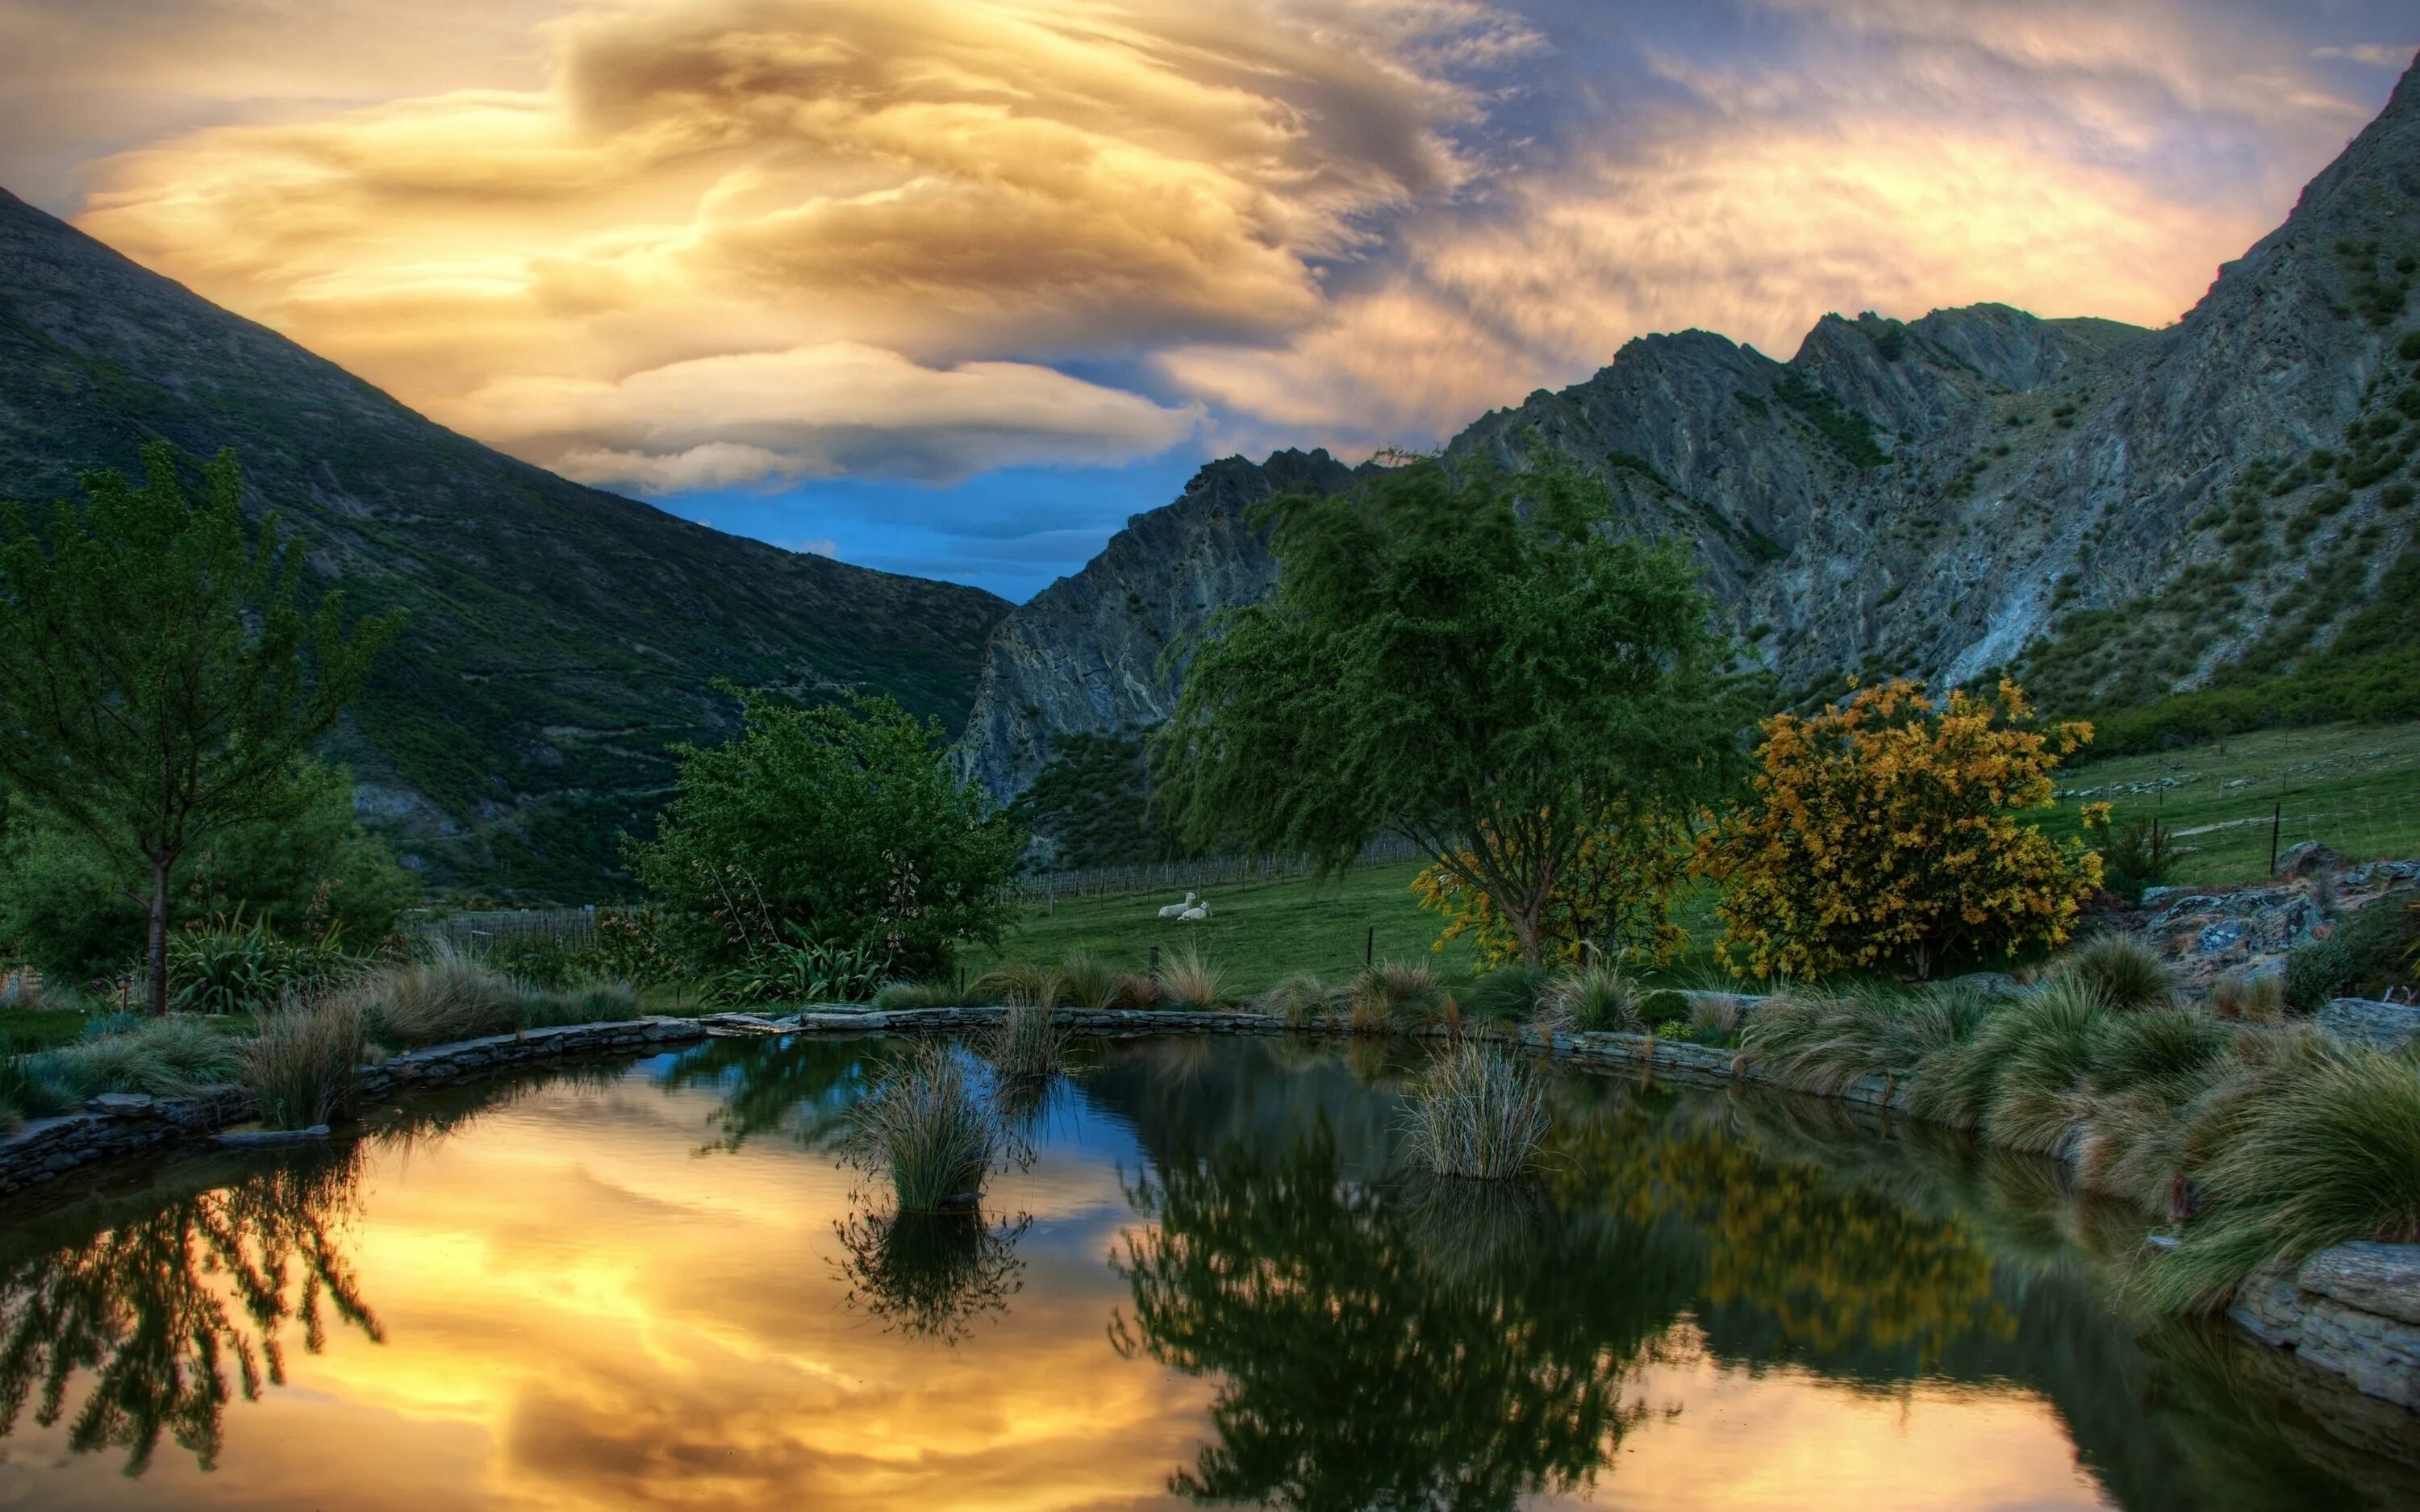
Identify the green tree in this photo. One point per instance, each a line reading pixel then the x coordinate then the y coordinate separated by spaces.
pixel 158 684
pixel 836 824
pixel 306 872
pixel 1434 665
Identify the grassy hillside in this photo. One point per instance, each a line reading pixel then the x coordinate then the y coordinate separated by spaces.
pixel 2356 787
pixel 560 637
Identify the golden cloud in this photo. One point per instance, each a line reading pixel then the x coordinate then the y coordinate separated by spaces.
pixel 793 190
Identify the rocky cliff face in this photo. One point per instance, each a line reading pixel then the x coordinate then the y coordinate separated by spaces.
pixel 2110 511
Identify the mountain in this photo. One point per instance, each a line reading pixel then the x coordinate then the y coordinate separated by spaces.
pixel 2108 512
pixel 560 637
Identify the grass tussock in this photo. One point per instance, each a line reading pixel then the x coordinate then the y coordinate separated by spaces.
pixel 1478 1113
pixel 165 1056
pixel 1026 982
pixel 1716 1014
pixel 2121 971
pixel 2329 1154
pixel 1593 1000
pixel 1391 995
pixel 2249 997
pixel 300 1065
pixel 894 996
pixel 1188 979
pixel 1508 994
pixel 1027 1046
pixel 929 1128
pixel 445 996
pixel 1302 1000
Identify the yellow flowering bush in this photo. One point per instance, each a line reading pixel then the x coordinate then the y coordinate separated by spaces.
pixel 1886 831
pixel 1614 895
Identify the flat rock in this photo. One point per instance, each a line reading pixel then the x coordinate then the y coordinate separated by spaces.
pixel 2370 1022
pixel 270 1139
pixel 2371 1276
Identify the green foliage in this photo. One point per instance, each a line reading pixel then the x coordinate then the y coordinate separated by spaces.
pixel 1664 1010
pixel 1433 665
pixel 2136 854
pixel 802 970
pixel 1508 994
pixel 1391 995
pixel 163 1057
pixel 1593 1000
pixel 836 824
pixel 228 967
pixel 158 684
pixel 2381 940
pixel 1094 801
pixel 1850 433
pixel 1301 999
pixel 2316 970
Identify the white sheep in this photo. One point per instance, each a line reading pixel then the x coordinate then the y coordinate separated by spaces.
pixel 1200 910
pixel 1177 910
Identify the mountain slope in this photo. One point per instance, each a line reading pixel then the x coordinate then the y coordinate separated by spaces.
pixel 2112 513
pixel 560 635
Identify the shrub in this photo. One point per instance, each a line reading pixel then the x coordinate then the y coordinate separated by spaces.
pixel 1593 1000
pixel 163 1057
pixel 1390 996
pixel 801 970
pixel 2328 1154
pixel 301 1066
pixel 1301 999
pixel 1479 1114
pixel 2316 970
pixel 227 966
pixel 929 1128
pixel 1667 1010
pixel 1188 979
pixel 1612 897
pixel 2136 854
pixel 2381 939
pixel 1027 1046
pixel 1883 830
pixel 2121 972
pixel 838 823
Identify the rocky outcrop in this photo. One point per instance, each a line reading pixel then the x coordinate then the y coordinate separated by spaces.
pixel 1936 497
pixel 2353 1310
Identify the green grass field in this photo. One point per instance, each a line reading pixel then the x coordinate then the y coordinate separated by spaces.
pixel 2355 787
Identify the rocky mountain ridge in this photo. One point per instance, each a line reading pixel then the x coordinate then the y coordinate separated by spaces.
pixel 2110 511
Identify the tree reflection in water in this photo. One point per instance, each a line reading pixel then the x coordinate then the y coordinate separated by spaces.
pixel 1383 1345
pixel 931 1275
pixel 155 1309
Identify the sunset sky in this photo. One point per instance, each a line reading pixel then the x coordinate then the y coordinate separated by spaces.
pixel 953 288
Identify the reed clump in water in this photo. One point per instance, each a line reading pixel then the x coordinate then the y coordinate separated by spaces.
pixel 930 1126
pixel 1478 1113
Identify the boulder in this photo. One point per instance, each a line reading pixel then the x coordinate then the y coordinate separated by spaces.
pixel 2307 858
pixel 2370 1021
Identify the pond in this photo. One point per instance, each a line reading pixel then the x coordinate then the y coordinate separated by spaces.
pixel 655 1286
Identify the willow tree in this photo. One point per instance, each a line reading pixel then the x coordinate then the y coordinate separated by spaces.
pixel 1476 662
pixel 159 685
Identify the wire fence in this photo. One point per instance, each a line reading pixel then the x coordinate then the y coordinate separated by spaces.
pixel 1195 875
pixel 476 931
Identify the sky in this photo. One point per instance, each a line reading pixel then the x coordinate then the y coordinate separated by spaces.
pixel 953 289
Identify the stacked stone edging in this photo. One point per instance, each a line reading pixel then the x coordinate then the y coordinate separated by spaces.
pixel 2354 1310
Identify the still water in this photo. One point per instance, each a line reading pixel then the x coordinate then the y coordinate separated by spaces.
pixel 655 1286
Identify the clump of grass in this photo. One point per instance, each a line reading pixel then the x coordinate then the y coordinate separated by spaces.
pixel 1508 994
pixel 929 1128
pixel 894 996
pixel 2249 997
pixel 2123 971
pixel 1479 1114
pixel 1086 981
pixel 1027 1046
pixel 1391 995
pixel 1821 1041
pixel 165 1056
pixel 1716 1014
pixel 1302 1000
pixel 445 996
pixel 301 1066
pixel 24 1095
pixel 1188 979
pixel 2330 1154
pixel 1021 982
pixel 1593 1000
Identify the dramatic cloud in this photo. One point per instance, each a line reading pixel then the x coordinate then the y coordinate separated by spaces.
pixel 751 250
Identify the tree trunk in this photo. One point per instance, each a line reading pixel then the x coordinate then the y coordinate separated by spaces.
pixel 157 955
pixel 1525 932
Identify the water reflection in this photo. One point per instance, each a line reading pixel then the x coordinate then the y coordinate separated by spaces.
pixel 130 1332
pixel 1711 1300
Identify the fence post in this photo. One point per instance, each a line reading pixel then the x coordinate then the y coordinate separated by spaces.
pixel 1154 967
pixel 1370 948
pixel 2276 817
